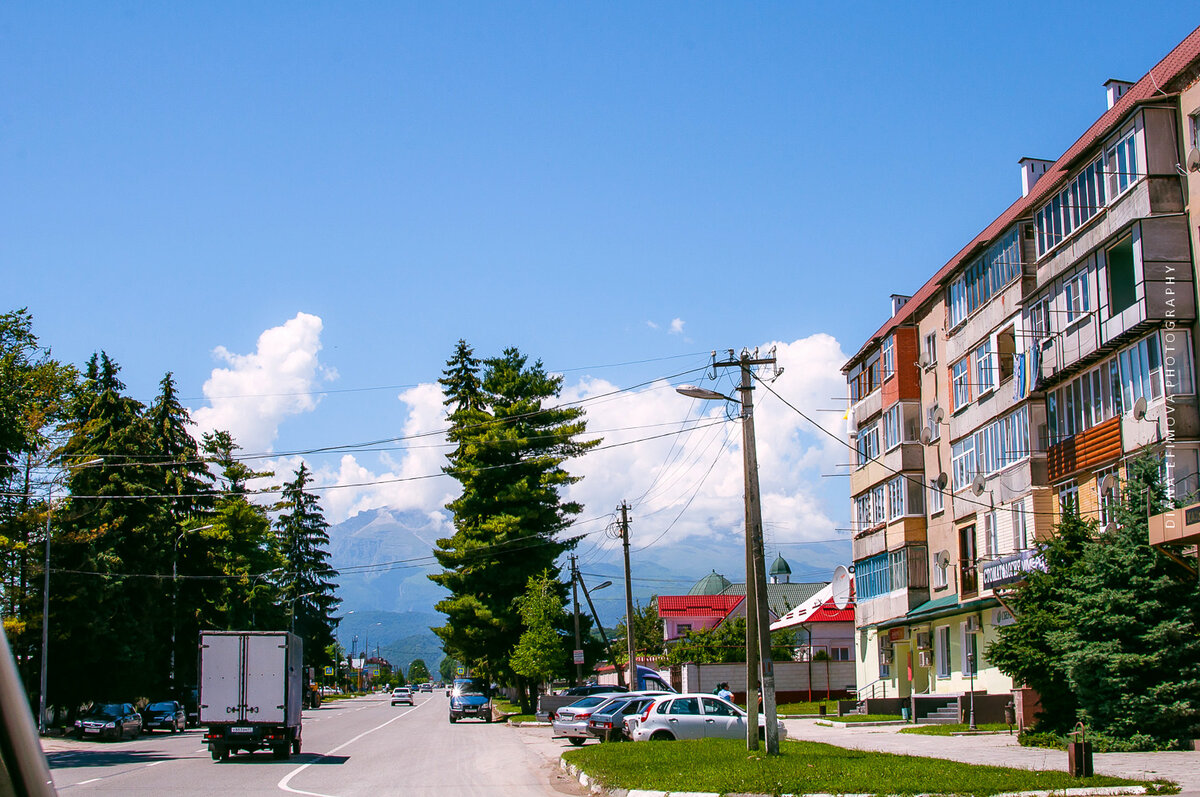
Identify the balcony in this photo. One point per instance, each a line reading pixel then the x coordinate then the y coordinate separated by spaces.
pixel 1086 450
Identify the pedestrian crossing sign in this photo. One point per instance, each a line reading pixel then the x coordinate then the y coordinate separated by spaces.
pixel 329 671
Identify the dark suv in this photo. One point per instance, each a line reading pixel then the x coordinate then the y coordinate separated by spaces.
pixel 470 698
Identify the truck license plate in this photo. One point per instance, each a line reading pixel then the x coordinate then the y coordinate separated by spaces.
pixel 240 729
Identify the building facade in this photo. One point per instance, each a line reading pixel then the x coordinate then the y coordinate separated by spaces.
pixel 1020 379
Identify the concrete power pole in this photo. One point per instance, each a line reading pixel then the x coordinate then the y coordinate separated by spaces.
pixel 575 597
pixel 757 612
pixel 634 684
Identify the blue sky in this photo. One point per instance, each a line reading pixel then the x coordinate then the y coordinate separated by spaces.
pixel 569 178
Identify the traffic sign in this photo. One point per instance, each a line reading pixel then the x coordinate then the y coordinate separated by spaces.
pixel 579 657
pixel 461 671
pixel 329 671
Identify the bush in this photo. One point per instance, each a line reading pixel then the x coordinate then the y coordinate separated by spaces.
pixel 1041 739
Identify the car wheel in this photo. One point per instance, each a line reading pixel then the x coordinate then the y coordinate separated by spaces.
pixel 120 733
pixel 575 740
pixel 661 736
pixel 215 752
pixel 453 719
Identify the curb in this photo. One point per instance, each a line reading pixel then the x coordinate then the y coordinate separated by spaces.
pixel 595 787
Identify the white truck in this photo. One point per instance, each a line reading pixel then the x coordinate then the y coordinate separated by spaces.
pixel 251 691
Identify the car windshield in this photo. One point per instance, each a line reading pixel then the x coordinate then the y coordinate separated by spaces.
pixel 610 705
pixel 588 702
pixel 161 707
pixel 107 710
pixel 468 688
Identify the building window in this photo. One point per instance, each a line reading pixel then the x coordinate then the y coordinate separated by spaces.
pixel 1081 199
pixel 963 466
pixel 985 277
pixel 1006 349
pixel 1194 123
pixel 967 561
pixel 683 628
pixel 984 377
pixel 891 428
pixel 996 446
pixel 1068 498
pixel 1110 499
pixel 1075 297
pixel 943 651
pixel 839 654
pixel 862 511
pixel 868 444
pixel 1122 164
pixel 1038 321
pixel 878 507
pixel 936 498
pixel 941 571
pixel 960 381
pixel 1122 283
pixel 970 652
pixel 1141 371
pixel 931 347
pixel 1020 528
pixel 887 356
pixel 935 428
pixel 991 535
pixel 896 498
pixel 1177 359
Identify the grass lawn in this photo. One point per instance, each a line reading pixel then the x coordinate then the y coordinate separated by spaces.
pixel 723 766
pixel 813 707
pixel 868 718
pixel 960 727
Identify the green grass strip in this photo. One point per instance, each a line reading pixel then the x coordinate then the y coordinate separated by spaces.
pixel 867 718
pixel 808 708
pixel 724 766
pixel 958 727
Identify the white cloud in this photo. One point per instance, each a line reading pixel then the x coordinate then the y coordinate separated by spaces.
pixel 652 325
pixel 255 392
pixel 677 326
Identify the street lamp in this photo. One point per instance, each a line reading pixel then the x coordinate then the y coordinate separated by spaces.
pixel 292 609
pixel 758 633
pixel 175 595
pixel 971 673
pixel 46 599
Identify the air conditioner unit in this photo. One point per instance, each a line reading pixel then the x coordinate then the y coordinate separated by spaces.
pixel 973 623
pixel 923 641
pixel 924 659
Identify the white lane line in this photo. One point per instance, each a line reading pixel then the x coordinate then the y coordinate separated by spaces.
pixel 156 763
pixel 86 782
pixel 283 784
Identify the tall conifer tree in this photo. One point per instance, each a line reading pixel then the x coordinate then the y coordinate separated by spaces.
pixel 308 584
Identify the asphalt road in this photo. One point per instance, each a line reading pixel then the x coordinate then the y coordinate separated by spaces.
pixel 351 747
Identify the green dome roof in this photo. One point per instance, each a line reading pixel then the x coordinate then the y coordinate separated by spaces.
pixel 780 567
pixel 712 584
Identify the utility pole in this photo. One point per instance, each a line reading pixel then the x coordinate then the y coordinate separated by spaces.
pixel 604 636
pixel 575 597
pixel 757 616
pixel 633 673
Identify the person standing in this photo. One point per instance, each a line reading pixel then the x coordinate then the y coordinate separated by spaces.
pixel 724 693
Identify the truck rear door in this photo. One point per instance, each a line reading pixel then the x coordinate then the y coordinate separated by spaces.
pixel 266 678
pixel 220 678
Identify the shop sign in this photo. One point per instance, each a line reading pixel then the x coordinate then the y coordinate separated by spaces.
pixel 1011 569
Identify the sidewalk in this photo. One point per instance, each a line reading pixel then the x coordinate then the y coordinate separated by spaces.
pixel 1001 750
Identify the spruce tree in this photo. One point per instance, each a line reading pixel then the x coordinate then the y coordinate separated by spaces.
pixel 308 585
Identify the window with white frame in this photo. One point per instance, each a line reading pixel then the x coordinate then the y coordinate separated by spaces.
pixel 1141 371
pixel 867 444
pixel 1121 162
pixel 931 347
pixel 891 427
pixel 943 651
pixel 1110 498
pixel 878 507
pixel 896 498
pixel 991 535
pixel 985 277
pixel 887 356
pixel 1037 321
pixel 1020 528
pixel 984 375
pixel 941 571
pixel 904 497
pixel 935 428
pixel 1075 298
pixel 936 498
pixel 962 462
pixel 970 652
pixel 862 511
pixel 1177 362
pixel 1194 124
pixel 960 382
pixel 1068 497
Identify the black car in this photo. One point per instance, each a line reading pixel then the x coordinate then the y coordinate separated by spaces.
pixel 114 720
pixel 607 722
pixel 166 714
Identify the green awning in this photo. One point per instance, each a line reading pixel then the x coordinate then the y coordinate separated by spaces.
pixel 946 606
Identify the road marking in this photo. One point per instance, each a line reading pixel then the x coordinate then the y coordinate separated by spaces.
pixel 201 750
pixel 156 763
pixel 85 782
pixel 283 784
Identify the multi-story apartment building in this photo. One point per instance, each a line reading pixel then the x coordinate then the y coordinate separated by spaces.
pixel 1053 348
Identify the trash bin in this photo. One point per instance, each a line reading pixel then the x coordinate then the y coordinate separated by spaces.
pixel 904 713
pixel 1010 714
pixel 821 710
pixel 1079 759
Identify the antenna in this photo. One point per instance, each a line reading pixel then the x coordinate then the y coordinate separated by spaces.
pixel 1139 409
pixel 942 480
pixel 943 558
pixel 1108 484
pixel 923 360
pixel 926 435
pixel 978 485
pixel 841 587
pixel 939 415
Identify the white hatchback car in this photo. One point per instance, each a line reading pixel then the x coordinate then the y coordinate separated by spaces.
pixel 695 716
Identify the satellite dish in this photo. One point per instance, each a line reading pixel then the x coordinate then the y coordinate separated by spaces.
pixel 978 485
pixel 926 435
pixel 923 360
pixel 1110 528
pixel 943 558
pixel 938 415
pixel 841 587
pixel 1139 409
pixel 1108 484
pixel 1193 160
pixel 942 481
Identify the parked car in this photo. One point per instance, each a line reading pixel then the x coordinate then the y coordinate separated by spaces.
pixel 402 694
pixel 593 689
pixel 694 716
pixel 169 715
pixel 114 720
pixel 571 721
pixel 608 722
pixel 470 698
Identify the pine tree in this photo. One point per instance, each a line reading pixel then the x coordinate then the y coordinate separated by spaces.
pixel 510 449
pixel 308 585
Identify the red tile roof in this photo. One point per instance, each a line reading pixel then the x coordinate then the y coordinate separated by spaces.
pixel 1162 73
pixel 697 605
